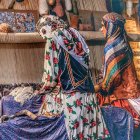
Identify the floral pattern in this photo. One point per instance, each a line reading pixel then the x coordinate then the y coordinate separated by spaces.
pixel 25 22
pixel 20 22
pixel 82 115
pixel 74 43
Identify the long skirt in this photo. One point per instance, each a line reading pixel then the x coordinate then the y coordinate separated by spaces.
pixel 83 117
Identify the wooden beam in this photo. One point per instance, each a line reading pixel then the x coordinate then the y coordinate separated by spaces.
pixel 36 38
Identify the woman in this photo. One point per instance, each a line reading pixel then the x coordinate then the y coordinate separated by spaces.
pixel 119 80
pixel 67 87
pixel 68 82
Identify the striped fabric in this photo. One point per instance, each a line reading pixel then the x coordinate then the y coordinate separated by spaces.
pixel 118 54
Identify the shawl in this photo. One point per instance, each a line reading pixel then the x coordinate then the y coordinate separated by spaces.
pixel 53 28
pixel 117 52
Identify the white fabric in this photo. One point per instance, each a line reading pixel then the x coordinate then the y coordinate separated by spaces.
pixel 135 103
pixel 22 94
pixel 68 5
pixel 43 7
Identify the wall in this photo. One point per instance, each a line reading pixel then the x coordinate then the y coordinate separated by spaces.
pixel 21 63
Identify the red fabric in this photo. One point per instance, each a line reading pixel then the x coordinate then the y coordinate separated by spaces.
pixel 122 103
pixel 125 105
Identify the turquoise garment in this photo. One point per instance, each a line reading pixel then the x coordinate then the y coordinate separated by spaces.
pixel 117 6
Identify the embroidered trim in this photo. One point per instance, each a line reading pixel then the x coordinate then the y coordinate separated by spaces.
pixel 74 84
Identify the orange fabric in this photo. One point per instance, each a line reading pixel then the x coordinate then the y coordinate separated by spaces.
pixel 110 66
pixel 122 103
pixel 125 86
pixel 125 105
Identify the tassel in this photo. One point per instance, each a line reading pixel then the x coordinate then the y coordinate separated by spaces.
pixel 68 5
pixel 43 7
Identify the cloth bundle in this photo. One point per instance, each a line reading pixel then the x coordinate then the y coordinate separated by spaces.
pixel 5 28
pixel 22 94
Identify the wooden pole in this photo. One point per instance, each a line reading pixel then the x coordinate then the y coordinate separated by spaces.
pixel 11 4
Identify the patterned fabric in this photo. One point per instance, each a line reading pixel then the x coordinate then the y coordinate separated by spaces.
pixel 118 54
pixel 51 71
pixel 24 128
pixel 19 22
pixel 119 81
pixel 73 62
pixel 65 41
pixel 83 117
pixel 48 26
pixel 43 128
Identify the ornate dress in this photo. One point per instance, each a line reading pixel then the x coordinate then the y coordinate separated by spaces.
pixel 68 81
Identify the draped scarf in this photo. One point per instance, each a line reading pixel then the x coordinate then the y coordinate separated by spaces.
pixel 54 28
pixel 58 32
pixel 117 52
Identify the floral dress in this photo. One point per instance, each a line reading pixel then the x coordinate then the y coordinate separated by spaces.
pixel 83 117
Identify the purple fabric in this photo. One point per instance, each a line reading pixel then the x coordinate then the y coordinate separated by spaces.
pixel 10 106
pixel 119 122
pixel 23 128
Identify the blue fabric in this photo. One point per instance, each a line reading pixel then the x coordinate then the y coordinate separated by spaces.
pixel 137 133
pixel 108 5
pixel 118 6
pixel 117 51
pixel 119 122
pixel 10 106
pixel 23 128
pixel 79 72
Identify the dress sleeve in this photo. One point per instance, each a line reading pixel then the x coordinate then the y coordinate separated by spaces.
pixel 51 72
pixel 107 89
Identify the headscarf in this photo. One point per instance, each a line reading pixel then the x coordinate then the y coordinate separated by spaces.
pixel 114 24
pixel 52 27
pixel 49 25
pixel 59 35
pixel 117 52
